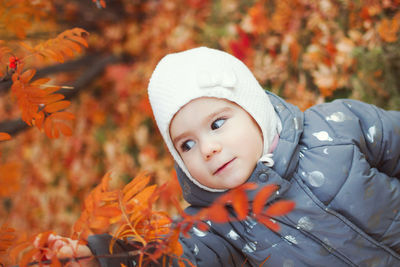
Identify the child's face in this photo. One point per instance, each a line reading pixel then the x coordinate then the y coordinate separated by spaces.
pixel 218 141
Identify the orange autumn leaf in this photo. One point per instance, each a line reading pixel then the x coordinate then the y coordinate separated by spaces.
pixel 57 106
pixel 268 222
pixel 240 204
pixel 175 246
pixel 48 129
pixel 259 17
pixel 17 249
pixel 63 115
pixel 294 49
pixel 52 98
pixel 110 210
pixel 135 186
pixel 61 47
pixel 40 81
pixel 99 223
pixel 30 99
pixel 388 30
pixel 4 136
pixel 141 199
pixel 280 208
pixel 202 226
pixel 218 213
pixel 261 198
pixel 7 238
pixel 27 257
pixel 63 128
pixel 26 76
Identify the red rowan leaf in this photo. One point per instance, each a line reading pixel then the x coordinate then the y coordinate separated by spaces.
pixel 50 89
pixel 175 245
pixel 141 198
pixel 63 115
pixel 181 264
pixel 185 230
pixel 99 222
pixel 105 181
pixel 73 45
pixel 121 230
pixel 39 119
pixel 108 211
pixel 261 198
pixel 63 128
pixel 268 222
pixel 248 186
pixel 388 30
pixel 109 196
pixel 27 75
pixel 259 17
pixel 7 237
pixel 79 40
pixel 66 49
pixel 218 213
pixel 28 256
pixel 240 203
pixel 27 47
pixel 16 250
pixel 48 127
pixel 280 208
pixel 40 81
pixel 60 105
pixel 202 226
pixel 135 186
pixel 294 49
pixel 52 98
pixel 4 136
pixel 53 54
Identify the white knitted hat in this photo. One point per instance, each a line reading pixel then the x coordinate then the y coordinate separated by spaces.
pixel 204 72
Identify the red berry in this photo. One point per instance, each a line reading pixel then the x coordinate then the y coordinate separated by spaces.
pixel 13 62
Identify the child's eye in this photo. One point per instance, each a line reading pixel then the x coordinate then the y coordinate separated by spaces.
pixel 187 145
pixel 217 123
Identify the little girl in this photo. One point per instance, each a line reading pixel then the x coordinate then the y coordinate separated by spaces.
pixel 339 162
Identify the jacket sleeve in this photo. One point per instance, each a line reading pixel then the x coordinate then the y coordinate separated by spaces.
pixel 379 136
pixel 362 181
pixel 376 132
pixel 200 249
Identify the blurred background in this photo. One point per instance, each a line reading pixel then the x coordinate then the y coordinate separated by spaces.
pixel 306 51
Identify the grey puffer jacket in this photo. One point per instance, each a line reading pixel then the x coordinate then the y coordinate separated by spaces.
pixel 340 163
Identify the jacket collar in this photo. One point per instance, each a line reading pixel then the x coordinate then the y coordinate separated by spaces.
pixel 286 155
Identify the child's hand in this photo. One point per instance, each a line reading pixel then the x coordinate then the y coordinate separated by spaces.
pixel 62 248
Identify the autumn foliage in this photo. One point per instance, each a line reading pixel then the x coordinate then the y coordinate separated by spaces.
pixel 305 51
pixel 129 214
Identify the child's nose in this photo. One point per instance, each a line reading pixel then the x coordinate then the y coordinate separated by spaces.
pixel 210 149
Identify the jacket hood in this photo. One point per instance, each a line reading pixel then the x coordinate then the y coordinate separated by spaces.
pixel 285 155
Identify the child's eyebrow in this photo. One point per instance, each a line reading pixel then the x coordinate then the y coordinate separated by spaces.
pixel 208 118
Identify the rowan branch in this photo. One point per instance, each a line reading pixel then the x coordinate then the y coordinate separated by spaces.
pixel 95 65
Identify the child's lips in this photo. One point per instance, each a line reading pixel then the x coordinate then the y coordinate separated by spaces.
pixel 223 166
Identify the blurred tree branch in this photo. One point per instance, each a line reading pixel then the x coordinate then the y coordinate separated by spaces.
pixel 94 63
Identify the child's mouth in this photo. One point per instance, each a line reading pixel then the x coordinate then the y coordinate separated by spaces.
pixel 223 166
